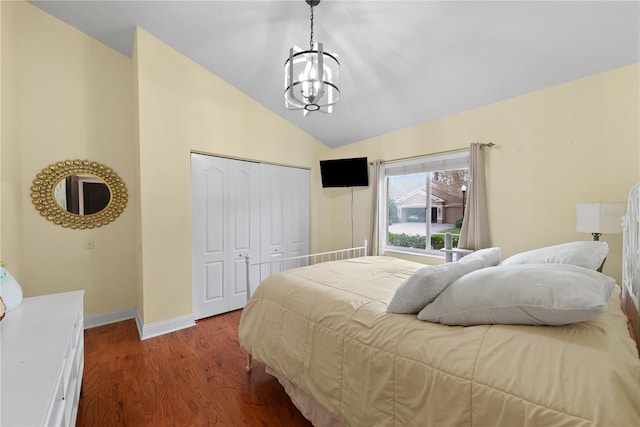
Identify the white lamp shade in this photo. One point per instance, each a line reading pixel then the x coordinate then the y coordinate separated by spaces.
pixel 600 217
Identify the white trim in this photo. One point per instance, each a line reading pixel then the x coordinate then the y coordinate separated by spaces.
pixel 164 326
pixel 107 318
pixel 139 323
pixel 144 331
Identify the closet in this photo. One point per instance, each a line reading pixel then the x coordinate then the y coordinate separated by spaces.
pixel 239 208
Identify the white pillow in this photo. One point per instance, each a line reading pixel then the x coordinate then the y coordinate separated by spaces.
pixel 588 254
pixel 424 285
pixel 529 294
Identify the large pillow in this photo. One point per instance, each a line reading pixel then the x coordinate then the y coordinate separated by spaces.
pixel 425 284
pixel 588 254
pixel 528 294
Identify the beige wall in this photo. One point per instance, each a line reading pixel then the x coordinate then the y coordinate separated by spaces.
pixel 578 141
pixel 184 108
pixel 65 96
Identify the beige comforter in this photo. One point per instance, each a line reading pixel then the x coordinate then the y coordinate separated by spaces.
pixel 325 328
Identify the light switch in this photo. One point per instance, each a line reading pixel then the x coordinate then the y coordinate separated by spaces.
pixel 88 243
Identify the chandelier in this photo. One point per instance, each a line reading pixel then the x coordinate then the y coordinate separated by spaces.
pixel 311 77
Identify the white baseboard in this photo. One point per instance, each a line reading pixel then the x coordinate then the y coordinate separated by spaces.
pixel 107 318
pixel 144 331
pixel 164 326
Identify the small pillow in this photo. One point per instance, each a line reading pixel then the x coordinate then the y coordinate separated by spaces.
pixel 588 254
pixel 529 294
pixel 424 285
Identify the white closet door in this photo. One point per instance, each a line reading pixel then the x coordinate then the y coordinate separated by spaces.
pixel 297 212
pixel 210 240
pixel 241 208
pixel 225 228
pixel 244 226
pixel 272 224
pixel 285 214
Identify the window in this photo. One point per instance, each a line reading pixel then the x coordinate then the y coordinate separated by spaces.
pixel 425 198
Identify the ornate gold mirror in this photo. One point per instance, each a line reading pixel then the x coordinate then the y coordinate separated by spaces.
pixel 79 194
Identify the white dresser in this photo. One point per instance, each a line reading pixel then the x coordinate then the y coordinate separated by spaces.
pixel 42 359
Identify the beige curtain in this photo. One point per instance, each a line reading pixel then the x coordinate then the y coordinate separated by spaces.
pixel 377 208
pixel 475 226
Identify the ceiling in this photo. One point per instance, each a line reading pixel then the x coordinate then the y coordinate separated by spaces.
pixel 402 62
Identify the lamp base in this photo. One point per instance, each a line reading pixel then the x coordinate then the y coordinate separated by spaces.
pixel 596 236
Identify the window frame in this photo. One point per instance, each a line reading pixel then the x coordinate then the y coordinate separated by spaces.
pixel 438 162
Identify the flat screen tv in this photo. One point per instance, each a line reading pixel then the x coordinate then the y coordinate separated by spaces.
pixel 345 172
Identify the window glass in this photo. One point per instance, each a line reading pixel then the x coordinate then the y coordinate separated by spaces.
pixel 425 198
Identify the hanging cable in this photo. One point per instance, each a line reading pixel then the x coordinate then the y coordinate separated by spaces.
pixel 351 216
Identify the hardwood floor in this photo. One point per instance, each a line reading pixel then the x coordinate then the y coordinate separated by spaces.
pixel 193 377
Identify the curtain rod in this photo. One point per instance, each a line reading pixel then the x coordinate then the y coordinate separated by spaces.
pixel 488 144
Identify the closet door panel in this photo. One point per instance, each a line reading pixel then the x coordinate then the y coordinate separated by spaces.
pixel 209 239
pixel 276 213
pixel 214 282
pixel 272 229
pixel 285 216
pixel 296 206
pixel 297 213
pixel 215 214
pixel 272 219
pixel 244 226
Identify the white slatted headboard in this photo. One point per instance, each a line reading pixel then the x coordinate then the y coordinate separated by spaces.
pixel 631 261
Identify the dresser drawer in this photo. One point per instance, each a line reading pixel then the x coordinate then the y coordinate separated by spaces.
pixel 42 361
pixel 71 406
pixel 56 411
pixel 70 363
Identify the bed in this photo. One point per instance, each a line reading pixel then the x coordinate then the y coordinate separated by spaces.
pixel 324 331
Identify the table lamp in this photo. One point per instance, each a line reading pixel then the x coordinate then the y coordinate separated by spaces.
pixel 600 217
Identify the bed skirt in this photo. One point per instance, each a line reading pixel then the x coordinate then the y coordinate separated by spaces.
pixel 309 408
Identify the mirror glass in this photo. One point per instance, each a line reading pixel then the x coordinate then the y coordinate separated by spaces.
pixel 82 194
pixel 79 194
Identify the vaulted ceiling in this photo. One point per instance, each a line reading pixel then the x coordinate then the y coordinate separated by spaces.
pixel 402 62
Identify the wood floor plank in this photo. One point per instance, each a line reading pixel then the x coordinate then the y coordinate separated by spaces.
pixel 193 377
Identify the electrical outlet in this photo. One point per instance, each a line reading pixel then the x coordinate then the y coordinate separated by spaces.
pixel 88 243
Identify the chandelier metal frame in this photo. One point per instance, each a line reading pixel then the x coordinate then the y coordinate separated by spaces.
pixel 312 77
